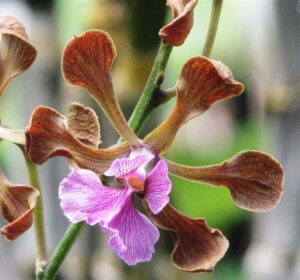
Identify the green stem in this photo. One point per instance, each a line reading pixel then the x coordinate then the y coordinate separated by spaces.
pixel 62 250
pixel 213 26
pixel 146 102
pixel 139 116
pixel 38 219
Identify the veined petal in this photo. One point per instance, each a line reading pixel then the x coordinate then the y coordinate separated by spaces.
pixel 178 29
pixel 47 135
pixel 86 62
pixel 124 166
pixel 84 198
pixel 83 123
pixel 255 179
pixel 132 235
pixel 157 187
pixel 202 83
pixel 17 204
pixel 197 247
pixel 17 54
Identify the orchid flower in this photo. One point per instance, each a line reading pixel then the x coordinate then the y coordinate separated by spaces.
pixel 254 179
pixel 132 234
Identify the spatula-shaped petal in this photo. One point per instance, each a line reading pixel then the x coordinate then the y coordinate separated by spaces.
pixel 197 247
pixel 48 135
pixel 202 83
pixel 254 179
pixel 86 62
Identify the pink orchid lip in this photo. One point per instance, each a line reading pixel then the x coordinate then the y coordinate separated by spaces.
pixel 132 235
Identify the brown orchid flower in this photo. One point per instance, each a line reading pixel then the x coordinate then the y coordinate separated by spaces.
pixel 17 205
pixel 254 179
pixel 179 28
pixel 16 53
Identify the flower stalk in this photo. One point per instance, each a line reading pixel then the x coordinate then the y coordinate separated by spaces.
pixel 38 219
pixel 147 102
pixel 213 27
pixel 62 250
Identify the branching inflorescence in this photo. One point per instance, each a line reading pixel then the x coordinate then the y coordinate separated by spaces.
pixel 136 167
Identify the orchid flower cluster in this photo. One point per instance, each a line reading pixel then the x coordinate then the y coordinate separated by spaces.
pixel 136 167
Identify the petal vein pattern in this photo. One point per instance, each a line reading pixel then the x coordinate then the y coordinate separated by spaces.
pixel 122 167
pixel 86 62
pixel 48 135
pixel 132 235
pixel 17 54
pixel 85 198
pixel 158 187
pixel 202 83
pixel 255 179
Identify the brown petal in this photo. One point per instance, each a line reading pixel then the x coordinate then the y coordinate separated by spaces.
pixel 86 62
pixel 47 136
pixel 83 124
pixel 254 179
pixel 16 54
pixel 179 28
pixel 17 205
pixel 12 135
pixel 197 247
pixel 202 83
